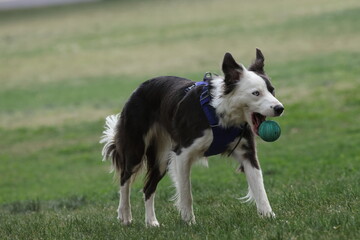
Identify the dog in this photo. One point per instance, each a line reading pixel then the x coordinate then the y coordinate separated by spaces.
pixel 169 123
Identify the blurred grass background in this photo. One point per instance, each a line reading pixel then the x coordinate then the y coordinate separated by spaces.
pixel 64 69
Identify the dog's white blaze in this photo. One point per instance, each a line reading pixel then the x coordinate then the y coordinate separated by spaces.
pixel 150 217
pixel 265 102
pixel 179 170
pixel 231 111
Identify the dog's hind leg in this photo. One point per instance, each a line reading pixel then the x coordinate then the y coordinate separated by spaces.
pixel 132 165
pixel 124 209
pixel 154 175
pixel 157 158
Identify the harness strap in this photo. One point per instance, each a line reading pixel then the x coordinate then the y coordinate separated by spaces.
pixel 240 137
pixel 222 137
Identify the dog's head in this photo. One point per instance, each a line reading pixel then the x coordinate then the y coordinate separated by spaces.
pixel 248 92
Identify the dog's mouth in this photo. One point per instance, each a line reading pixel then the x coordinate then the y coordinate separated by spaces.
pixel 257 119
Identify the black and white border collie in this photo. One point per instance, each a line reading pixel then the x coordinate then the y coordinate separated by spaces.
pixel 163 126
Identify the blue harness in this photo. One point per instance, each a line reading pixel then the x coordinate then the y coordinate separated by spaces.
pixel 222 137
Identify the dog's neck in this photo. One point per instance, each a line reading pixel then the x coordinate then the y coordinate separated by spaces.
pixel 229 114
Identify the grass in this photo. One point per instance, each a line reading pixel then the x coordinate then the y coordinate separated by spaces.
pixel 64 69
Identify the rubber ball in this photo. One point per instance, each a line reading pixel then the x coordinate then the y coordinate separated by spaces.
pixel 269 131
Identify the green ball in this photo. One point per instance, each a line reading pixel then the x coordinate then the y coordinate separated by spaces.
pixel 269 131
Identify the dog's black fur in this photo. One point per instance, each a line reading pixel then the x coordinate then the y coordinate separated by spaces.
pixel 160 100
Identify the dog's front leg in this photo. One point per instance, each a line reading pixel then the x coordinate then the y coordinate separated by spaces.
pixel 251 167
pixel 180 172
pixel 185 201
pixel 257 189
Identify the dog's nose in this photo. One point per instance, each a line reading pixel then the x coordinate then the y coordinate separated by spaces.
pixel 278 109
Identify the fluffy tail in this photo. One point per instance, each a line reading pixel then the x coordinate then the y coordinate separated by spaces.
pixel 108 139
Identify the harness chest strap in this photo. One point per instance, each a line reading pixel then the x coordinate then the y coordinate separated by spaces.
pixel 222 137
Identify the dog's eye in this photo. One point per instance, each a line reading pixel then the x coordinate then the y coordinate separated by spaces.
pixel 256 93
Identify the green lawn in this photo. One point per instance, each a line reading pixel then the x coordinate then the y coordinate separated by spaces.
pixel 64 69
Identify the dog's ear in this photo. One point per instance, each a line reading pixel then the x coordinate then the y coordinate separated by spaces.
pixel 258 65
pixel 231 69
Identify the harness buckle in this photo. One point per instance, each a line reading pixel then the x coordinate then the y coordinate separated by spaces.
pixel 207 77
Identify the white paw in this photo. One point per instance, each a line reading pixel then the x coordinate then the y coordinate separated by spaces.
pixel 153 223
pixel 191 222
pixel 125 218
pixel 125 222
pixel 267 214
pixel 188 217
